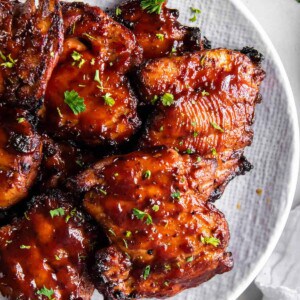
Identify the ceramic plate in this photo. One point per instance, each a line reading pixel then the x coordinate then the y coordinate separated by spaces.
pixel 256 221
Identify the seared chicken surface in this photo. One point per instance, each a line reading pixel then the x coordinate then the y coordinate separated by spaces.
pixel 30 42
pixel 88 97
pixel 158 33
pixel 204 104
pixel 164 236
pixel 42 255
pixel 20 156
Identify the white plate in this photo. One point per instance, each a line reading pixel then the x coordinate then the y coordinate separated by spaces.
pixel 257 225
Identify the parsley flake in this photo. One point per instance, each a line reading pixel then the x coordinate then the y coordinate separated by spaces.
pixel 128 234
pixel 160 36
pixel 118 11
pixel 9 64
pixel 155 98
pixel 214 152
pixel 125 243
pixel 141 215
pixel 167 99
pixel 210 241
pixel 147 174
pixel 98 80
pixel 25 247
pixel 20 120
pixel 146 272
pixel 75 102
pixel 190 259
pixel 155 208
pixel 110 230
pixel 92 61
pixel 45 292
pixel 108 100
pixel 2 56
pixel 176 195
pixel 152 6
pixel 205 93
pixel 196 12
pixel 59 212
pixel 216 126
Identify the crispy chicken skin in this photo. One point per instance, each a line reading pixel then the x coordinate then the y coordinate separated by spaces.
pixel 105 51
pixel 158 34
pixel 215 93
pixel 157 224
pixel 40 251
pixel 20 156
pixel 30 43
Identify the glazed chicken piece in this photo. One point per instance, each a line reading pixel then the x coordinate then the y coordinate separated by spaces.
pixel 205 104
pixel 158 33
pixel 20 156
pixel 43 254
pixel 88 97
pixel 165 237
pixel 30 42
pixel 62 160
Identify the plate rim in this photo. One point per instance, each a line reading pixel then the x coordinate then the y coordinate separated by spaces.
pixel 291 188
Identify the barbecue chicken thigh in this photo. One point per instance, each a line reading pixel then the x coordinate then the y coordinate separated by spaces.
pixel 165 237
pixel 30 42
pixel 20 156
pixel 204 103
pixel 42 255
pixel 158 32
pixel 88 97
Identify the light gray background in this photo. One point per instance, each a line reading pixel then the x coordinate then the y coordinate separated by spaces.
pixel 281 21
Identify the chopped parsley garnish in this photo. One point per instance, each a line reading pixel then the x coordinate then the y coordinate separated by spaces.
pixel 141 215
pixel 168 267
pixel 2 56
pixel 89 36
pixel 10 63
pixel 199 159
pixel 160 36
pixel 214 152
pixel 103 192
pixel 155 208
pixel 205 93
pixel 77 57
pixel 161 128
pixel 196 12
pixel 71 214
pixel 174 50
pixel 111 232
pixel 128 234
pixel 125 243
pixel 216 126
pixel 118 11
pixel 152 6
pixel 52 54
pixel 59 112
pixel 190 259
pixel 176 195
pixel 155 98
pixel 20 120
pixel 189 151
pixel 57 257
pixel 146 272
pixel 194 124
pixel 92 61
pixel 75 102
pixel 59 212
pixel 45 292
pixel 210 241
pixel 147 174
pixel 195 134
pixel 98 80
pixel 108 100
pixel 25 247
pixel 167 99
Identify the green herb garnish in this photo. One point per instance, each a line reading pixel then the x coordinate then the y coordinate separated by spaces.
pixel 160 36
pixel 147 174
pixel 146 272
pixel 75 102
pixel 118 11
pixel 141 215
pixel 176 195
pixel 108 100
pixel 25 247
pixel 152 6
pixel 45 292
pixel 155 208
pixel 216 126
pixel 59 212
pixel 210 241
pixel 167 99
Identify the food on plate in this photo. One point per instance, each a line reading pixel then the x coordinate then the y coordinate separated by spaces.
pixel 43 253
pixel 158 33
pixel 204 103
pixel 20 156
pixel 164 235
pixel 116 135
pixel 89 98
pixel 30 43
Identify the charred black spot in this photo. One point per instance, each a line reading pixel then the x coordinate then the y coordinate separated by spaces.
pixel 245 166
pixel 206 43
pixel 255 56
pixel 23 143
pixel 193 39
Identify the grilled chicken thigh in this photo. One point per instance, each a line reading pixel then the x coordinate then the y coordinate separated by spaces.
pixel 88 97
pixel 42 255
pixel 20 156
pixel 30 42
pixel 165 236
pixel 204 104
pixel 158 33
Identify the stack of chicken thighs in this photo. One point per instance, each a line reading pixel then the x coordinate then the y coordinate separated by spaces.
pixel 118 131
